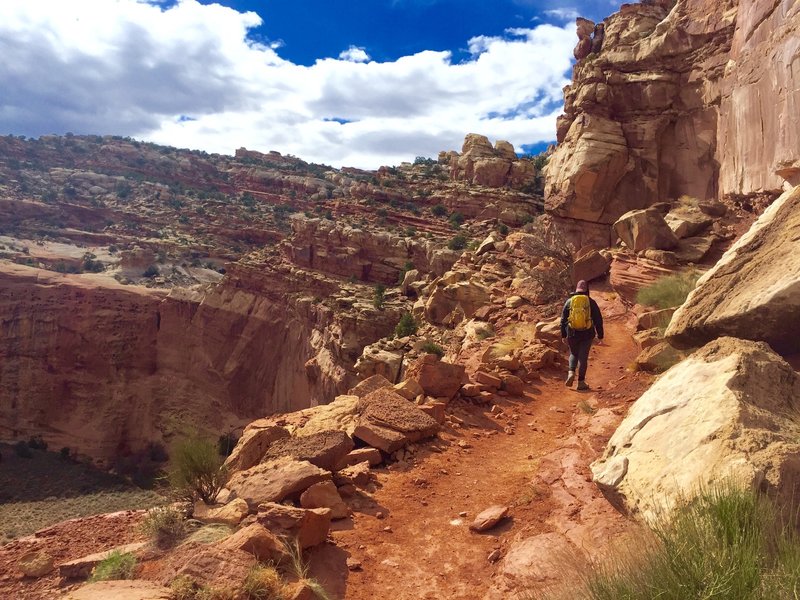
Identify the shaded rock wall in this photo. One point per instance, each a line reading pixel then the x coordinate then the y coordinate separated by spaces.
pixel 104 368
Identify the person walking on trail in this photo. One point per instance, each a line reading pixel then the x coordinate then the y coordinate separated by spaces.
pixel 580 322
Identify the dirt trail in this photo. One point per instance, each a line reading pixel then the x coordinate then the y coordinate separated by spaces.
pixel 420 546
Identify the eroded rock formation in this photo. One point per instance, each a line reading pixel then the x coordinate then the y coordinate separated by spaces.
pixel 674 105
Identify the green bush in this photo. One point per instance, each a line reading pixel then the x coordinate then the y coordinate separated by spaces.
pixel 151 271
pixel 728 544
pixel 433 348
pixel 406 326
pixel 502 229
pixel 164 525
pixel 227 441
pixel 379 296
pixel 456 219
pixel 458 242
pixel 669 291
pixel 197 470
pixel 117 565
pixel 439 210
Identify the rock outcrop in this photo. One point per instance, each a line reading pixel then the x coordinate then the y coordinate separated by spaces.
pixel 753 291
pixel 481 164
pixel 673 105
pixel 729 411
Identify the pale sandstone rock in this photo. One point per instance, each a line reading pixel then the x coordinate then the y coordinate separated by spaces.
pixel 275 480
pixel 411 277
pixel 216 566
pixel 753 292
pixel 255 440
pixel 693 249
pixel 515 301
pixel 489 517
pixel 369 385
pixel 371 455
pixel 386 363
pixel 259 541
pixel 409 389
pixel 340 414
pixel 654 318
pixel 687 221
pixel 356 475
pixel 121 590
pixel 464 296
pixel 643 229
pixel 35 564
pixel 485 246
pixel 308 526
pixel 658 357
pixel 590 265
pixel 230 514
pixel 325 495
pixel 647 338
pixel 323 449
pixel 513 385
pixel 724 412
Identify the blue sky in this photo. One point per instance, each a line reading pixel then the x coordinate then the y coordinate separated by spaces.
pixel 355 82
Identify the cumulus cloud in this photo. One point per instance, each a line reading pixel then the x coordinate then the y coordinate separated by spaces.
pixel 188 75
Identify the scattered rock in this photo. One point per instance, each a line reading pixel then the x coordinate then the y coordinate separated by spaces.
pixel 36 564
pixel 259 541
pixel 357 475
pixel 589 265
pixel 409 389
pixel 643 229
pixel 250 449
pixel 324 449
pixel 229 514
pixel 389 422
pixel 489 518
pixel 121 590
pixel 437 378
pixel 372 455
pixel 376 382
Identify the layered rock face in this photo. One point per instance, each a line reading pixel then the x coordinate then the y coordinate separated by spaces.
pixel 104 368
pixel 482 164
pixel 752 292
pixel 675 104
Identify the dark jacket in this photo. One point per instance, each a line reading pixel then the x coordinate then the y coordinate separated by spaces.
pixel 597 321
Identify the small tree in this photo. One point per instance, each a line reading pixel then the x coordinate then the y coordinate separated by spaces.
pixel 439 210
pixel 406 326
pixel 458 242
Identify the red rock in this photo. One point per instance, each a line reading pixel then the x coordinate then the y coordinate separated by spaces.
pixel 325 495
pixel 308 526
pixel 275 480
pixel 259 541
pixel 489 517
pixel 487 379
pixel 323 449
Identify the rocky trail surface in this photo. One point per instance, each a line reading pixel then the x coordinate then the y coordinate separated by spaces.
pixel 412 537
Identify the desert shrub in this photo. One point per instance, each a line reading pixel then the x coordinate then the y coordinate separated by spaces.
pixel 502 229
pixel 117 565
pixel 458 242
pixel 197 470
pixel 439 210
pixel 184 587
pixel 164 525
pixel 65 453
pixel 378 296
pixel 264 583
pixel 151 271
pixel 669 291
pixel 433 348
pixel 22 449
pixel 456 219
pixel 406 326
pixel 728 544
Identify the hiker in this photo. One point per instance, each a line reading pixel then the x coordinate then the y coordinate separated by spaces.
pixel 580 321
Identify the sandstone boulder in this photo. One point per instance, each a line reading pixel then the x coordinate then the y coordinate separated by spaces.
pixel 35 564
pixel 590 265
pixel 323 449
pixel 121 590
pixel 727 411
pixel 464 296
pixel 643 229
pixel 658 357
pixel 230 514
pixel 325 495
pixel 436 377
pixel 693 249
pixel 388 421
pixel 275 480
pixel 379 361
pixel 409 279
pixel 340 414
pixel 687 221
pixel 409 389
pixel 489 517
pixel 369 385
pixel 81 568
pixel 753 292
pixel 372 456
pixel 309 526
pixel 216 566
pixel 259 541
pixel 255 440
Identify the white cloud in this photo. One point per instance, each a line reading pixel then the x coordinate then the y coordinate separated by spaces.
pixel 354 54
pixel 564 14
pixel 131 67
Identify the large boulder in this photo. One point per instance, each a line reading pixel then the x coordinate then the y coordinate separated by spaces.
pixel 275 480
pixel 727 411
pixel 324 449
pixel 255 440
pixel 259 541
pixel 753 292
pixel 465 296
pixel 437 378
pixel 590 264
pixel 121 590
pixel 388 421
pixel 643 229
pixel 308 526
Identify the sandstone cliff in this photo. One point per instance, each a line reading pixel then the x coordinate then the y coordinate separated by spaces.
pixel 675 103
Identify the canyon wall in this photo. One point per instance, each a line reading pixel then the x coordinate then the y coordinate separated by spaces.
pixel 690 98
pixel 105 368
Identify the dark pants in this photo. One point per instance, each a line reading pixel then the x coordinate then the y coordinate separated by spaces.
pixel 579 355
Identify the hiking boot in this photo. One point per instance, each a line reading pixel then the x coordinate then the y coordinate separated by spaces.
pixel 582 387
pixel 570 379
